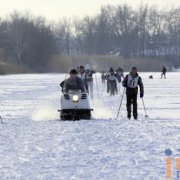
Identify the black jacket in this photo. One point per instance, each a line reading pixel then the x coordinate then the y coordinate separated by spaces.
pixel 73 84
pixel 163 70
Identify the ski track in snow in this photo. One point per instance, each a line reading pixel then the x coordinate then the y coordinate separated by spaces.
pixel 34 144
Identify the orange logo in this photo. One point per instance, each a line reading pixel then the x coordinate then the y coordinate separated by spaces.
pixel 169 161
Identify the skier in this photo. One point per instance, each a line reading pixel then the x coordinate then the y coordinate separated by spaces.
pixel 82 75
pixel 78 68
pixel 89 79
pixel 119 75
pixel 163 72
pixel 131 82
pixel 103 76
pixel 111 82
pixel 73 82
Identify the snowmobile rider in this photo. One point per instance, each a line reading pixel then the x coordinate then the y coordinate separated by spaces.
pixel 131 82
pixel 73 82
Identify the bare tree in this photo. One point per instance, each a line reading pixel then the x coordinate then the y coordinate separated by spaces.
pixel 64 36
pixel 125 30
pixel 104 31
pixel 17 29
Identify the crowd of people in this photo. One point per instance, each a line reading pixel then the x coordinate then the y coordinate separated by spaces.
pixel 81 78
pixel 112 77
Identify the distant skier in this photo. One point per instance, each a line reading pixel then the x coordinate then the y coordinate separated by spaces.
pixel 111 82
pixel 78 68
pixel 89 79
pixel 82 75
pixel 120 74
pixel 131 82
pixel 73 82
pixel 103 77
pixel 164 70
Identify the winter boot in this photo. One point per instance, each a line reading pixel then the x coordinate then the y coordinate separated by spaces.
pixel 129 116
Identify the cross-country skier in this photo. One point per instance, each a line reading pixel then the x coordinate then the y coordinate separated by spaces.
pixel 103 76
pixel 164 70
pixel 82 75
pixel 78 68
pixel 120 74
pixel 131 82
pixel 111 82
pixel 89 79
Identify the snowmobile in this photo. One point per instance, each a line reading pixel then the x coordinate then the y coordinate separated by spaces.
pixel 75 105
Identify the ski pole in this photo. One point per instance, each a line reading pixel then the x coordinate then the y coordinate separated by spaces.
pixel 1 120
pixel 144 108
pixel 120 88
pixel 120 104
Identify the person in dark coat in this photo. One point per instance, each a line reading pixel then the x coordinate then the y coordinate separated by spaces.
pixel 164 70
pixel 131 82
pixel 73 82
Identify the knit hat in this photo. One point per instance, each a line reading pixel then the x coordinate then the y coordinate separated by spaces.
pixel 134 68
pixel 73 71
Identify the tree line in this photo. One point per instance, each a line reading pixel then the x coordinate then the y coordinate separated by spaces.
pixel 116 30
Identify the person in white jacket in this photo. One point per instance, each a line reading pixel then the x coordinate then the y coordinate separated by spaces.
pixel 82 75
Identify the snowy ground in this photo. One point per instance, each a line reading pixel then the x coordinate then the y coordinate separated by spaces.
pixel 34 144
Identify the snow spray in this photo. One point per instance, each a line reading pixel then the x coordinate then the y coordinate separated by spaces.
pixel 100 111
pixel 45 113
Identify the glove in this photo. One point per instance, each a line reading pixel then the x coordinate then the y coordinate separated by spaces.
pixel 124 84
pixel 141 95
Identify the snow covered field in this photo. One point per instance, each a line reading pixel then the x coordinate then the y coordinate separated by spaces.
pixel 35 145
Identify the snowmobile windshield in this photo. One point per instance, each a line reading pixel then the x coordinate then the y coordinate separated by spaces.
pixel 74 91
